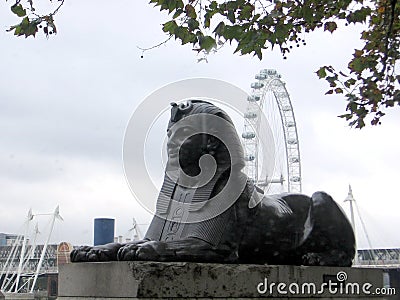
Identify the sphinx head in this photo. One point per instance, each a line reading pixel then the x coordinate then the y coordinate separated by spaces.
pixel 197 128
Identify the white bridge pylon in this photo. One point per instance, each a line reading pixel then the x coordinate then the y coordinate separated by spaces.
pixel 22 251
pixel 370 257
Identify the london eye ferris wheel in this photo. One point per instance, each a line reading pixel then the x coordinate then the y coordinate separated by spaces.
pixel 269 109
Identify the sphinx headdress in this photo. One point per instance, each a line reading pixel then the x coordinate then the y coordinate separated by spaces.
pixel 204 108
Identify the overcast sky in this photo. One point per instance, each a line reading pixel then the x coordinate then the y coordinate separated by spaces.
pixel 65 103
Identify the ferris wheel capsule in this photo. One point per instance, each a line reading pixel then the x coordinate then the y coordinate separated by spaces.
pixel 257 85
pixel 250 115
pixel 294 160
pixel 248 135
pixel 249 157
pixel 253 98
pixel 261 76
pixel 295 178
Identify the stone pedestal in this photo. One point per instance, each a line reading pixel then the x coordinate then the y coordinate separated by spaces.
pixel 136 280
pixel 19 296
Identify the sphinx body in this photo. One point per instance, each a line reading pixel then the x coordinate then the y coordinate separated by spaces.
pixel 193 222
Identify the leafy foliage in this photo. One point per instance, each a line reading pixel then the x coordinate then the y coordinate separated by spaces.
pixel 31 21
pixel 371 83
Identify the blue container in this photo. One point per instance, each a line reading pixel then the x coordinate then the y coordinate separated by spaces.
pixel 103 231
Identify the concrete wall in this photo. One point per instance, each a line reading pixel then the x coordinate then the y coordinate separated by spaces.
pixel 130 280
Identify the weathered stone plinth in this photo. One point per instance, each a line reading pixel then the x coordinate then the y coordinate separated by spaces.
pixel 19 296
pixel 129 280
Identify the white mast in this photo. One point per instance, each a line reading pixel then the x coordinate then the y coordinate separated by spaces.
pixel 351 199
pixel 137 234
pixel 56 215
pixel 22 255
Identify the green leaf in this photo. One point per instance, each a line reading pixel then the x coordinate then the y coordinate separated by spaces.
pixel 246 12
pixel 177 13
pixel 231 16
pixel 308 14
pixel 189 37
pixel 172 5
pixel 18 10
pixel 321 73
pixel 358 53
pixel 330 26
pixel 184 35
pixel 18 30
pixel 347 116
pixel 357 65
pixel 27 27
pixel 330 92
pixel 170 26
pixel 359 15
pixel 32 29
pixel 25 22
pixel 207 43
pixel 349 82
pixel 332 80
pixel 232 32
pixel 207 20
pixel 190 11
pixel 360 123
pixel 219 30
pixel 179 4
pixel 180 32
pixel 352 106
pixel 281 32
pixel 258 53
pixel 193 24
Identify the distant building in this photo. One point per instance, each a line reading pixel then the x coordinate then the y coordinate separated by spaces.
pixel 63 253
pixel 7 239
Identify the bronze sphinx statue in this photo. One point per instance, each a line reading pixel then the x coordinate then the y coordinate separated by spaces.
pixel 194 223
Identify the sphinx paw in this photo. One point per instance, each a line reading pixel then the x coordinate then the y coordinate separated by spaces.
pixel 143 251
pixel 127 252
pixel 80 254
pixel 312 259
pixel 91 254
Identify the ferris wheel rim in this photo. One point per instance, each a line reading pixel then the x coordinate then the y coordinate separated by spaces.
pixel 269 81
